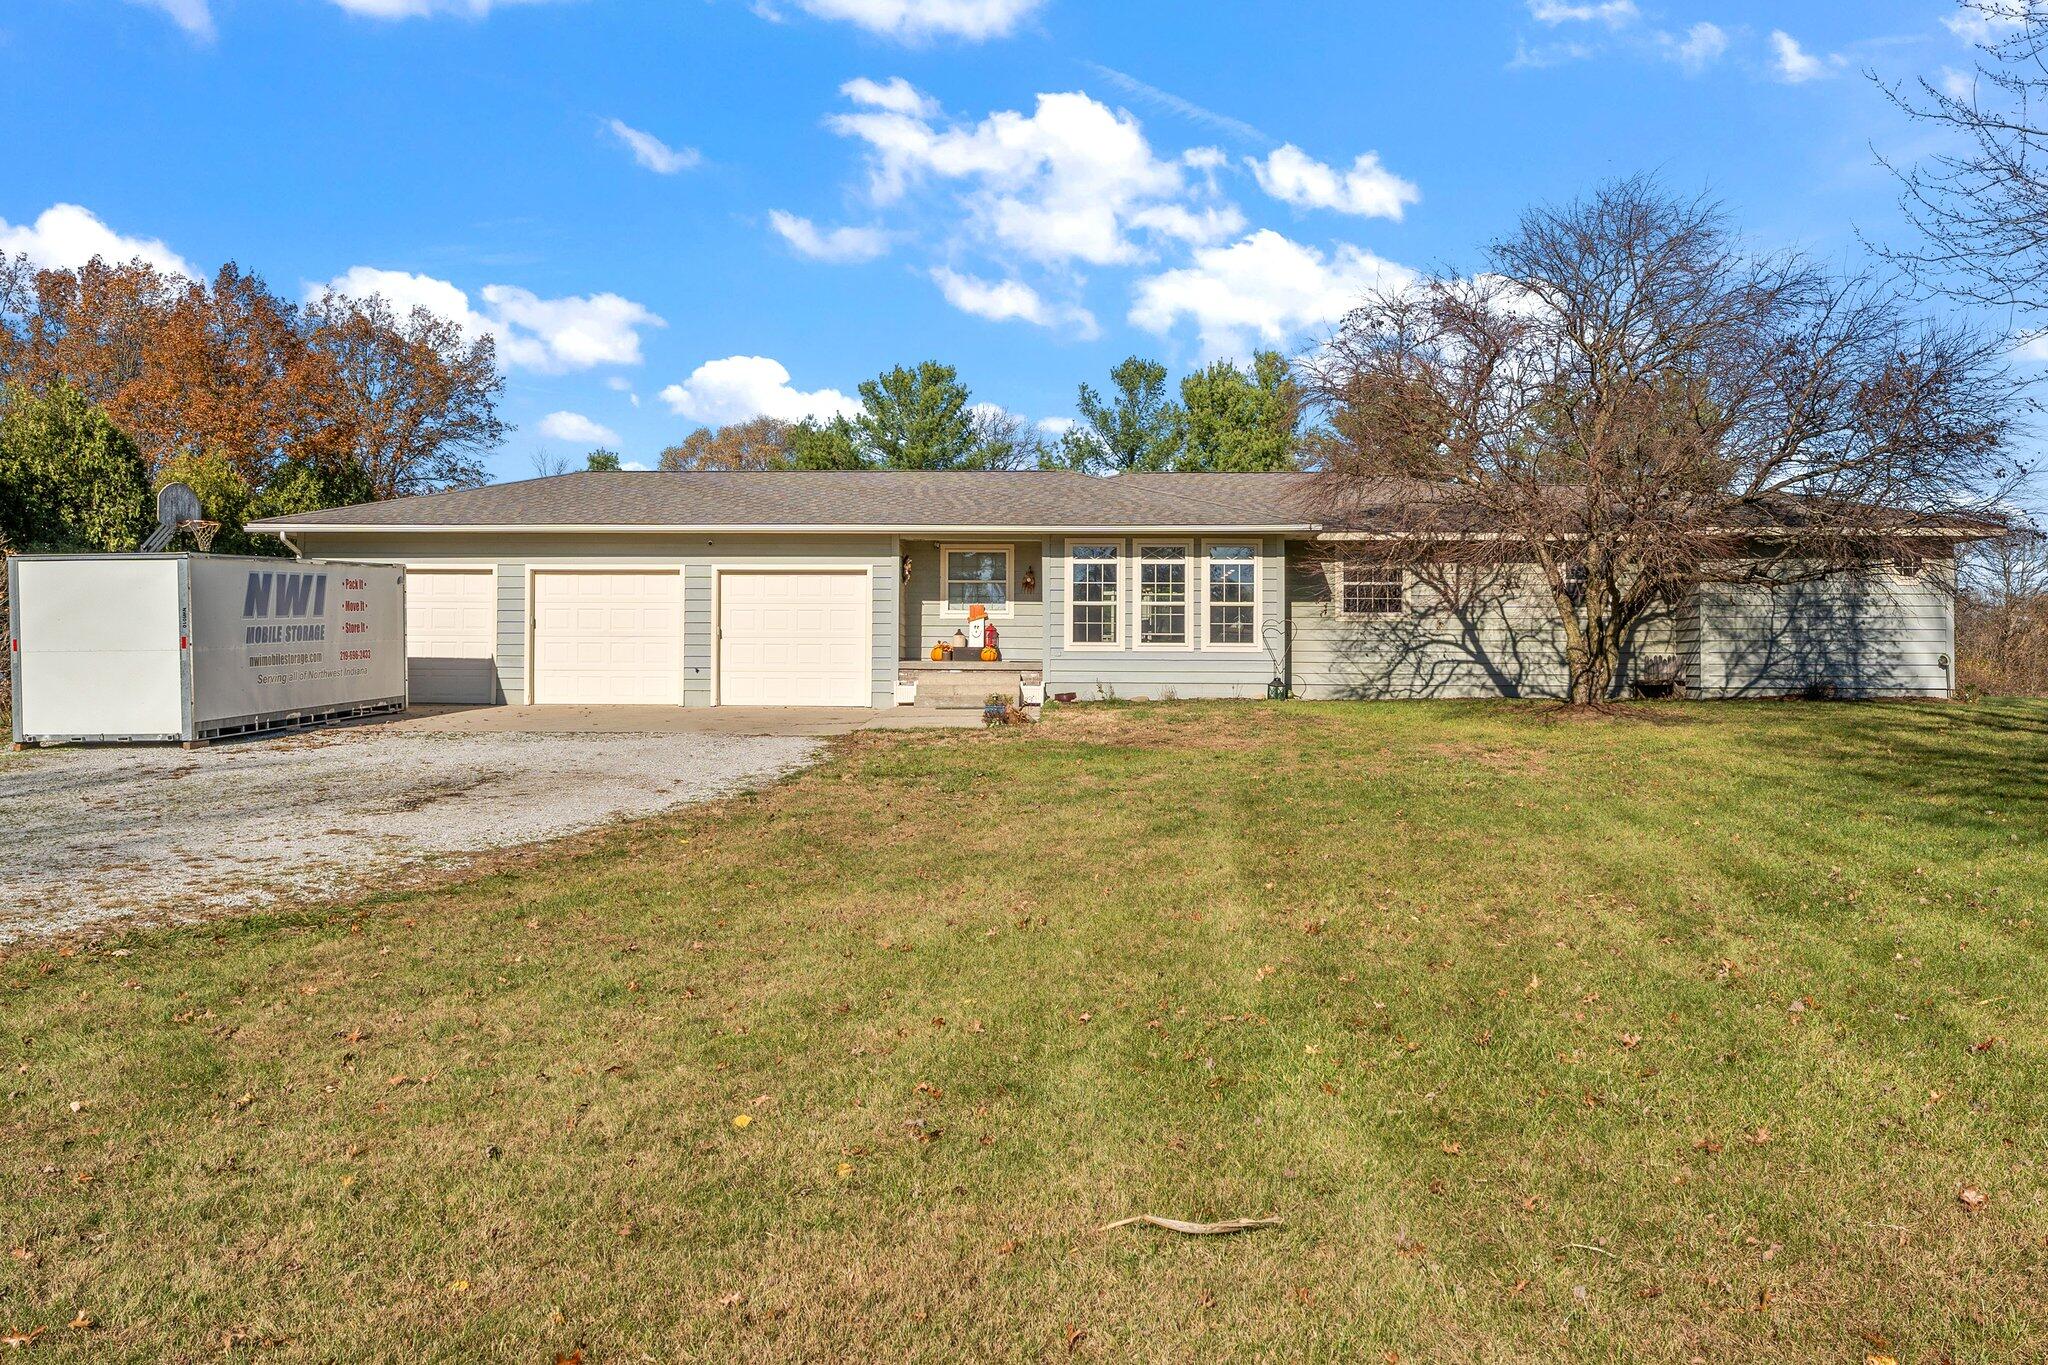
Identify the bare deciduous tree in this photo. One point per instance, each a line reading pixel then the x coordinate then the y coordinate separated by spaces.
pixel 1629 403
pixel 414 399
pixel 2002 615
pixel 760 443
pixel 1983 207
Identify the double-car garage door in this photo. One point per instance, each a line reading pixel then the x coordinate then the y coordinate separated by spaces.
pixel 615 637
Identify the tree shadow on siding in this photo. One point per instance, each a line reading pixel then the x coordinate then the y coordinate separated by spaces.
pixel 1464 633
pixel 1822 638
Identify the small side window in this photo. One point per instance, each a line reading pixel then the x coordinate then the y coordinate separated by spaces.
pixel 1372 590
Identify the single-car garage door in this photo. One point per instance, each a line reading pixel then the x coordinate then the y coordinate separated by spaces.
pixel 608 638
pixel 451 635
pixel 795 639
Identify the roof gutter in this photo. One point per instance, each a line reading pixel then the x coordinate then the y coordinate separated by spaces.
pixel 1753 532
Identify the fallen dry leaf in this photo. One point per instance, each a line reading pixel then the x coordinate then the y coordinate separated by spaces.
pixel 1972 1198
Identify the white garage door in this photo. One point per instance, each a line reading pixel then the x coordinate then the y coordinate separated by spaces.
pixel 611 638
pixel 795 639
pixel 451 635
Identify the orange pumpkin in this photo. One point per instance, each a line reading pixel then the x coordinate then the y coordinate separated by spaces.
pixel 938 654
pixel 989 656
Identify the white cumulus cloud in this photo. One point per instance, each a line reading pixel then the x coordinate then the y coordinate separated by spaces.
pixel 1702 46
pixel 421 9
pixel 1987 21
pixel 194 16
pixel 577 429
pixel 744 386
pixel 66 236
pixel 1264 290
pixel 918 21
pixel 1010 301
pixel 895 95
pixel 532 333
pixel 1613 13
pixel 1368 189
pixel 1065 183
pixel 844 245
pixel 1793 64
pixel 651 152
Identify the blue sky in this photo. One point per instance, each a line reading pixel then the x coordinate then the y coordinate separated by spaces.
pixel 674 212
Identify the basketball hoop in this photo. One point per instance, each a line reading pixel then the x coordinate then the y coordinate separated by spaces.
pixel 178 507
pixel 203 532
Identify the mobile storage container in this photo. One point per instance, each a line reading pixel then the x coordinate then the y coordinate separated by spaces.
pixel 191 647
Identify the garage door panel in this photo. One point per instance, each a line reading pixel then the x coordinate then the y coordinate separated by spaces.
pixel 451 642
pixel 611 637
pixel 795 639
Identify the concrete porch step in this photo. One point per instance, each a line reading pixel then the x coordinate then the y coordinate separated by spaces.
pixel 966 691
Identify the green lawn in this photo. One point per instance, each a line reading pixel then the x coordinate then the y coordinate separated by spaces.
pixel 1666 1036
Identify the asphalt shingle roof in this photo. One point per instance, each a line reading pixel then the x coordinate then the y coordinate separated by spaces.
pixel 866 499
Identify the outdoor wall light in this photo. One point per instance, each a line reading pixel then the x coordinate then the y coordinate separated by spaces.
pixel 906 568
pixel 1030 583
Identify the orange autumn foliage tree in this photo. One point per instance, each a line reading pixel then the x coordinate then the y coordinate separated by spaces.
pixel 179 365
pixel 342 394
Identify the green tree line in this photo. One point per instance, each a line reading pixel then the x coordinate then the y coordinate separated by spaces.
pixel 1227 419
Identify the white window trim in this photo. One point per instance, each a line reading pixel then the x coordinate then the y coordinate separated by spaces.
pixel 1258 604
pixel 1008 611
pixel 1192 566
pixel 1343 580
pixel 1123 596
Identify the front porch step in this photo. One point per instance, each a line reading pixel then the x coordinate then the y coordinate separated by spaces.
pixel 967 691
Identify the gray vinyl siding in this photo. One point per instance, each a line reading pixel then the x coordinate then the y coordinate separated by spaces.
pixel 1875 633
pixel 698 631
pixel 925 622
pixel 1199 671
pixel 1500 637
pixel 511 633
pixel 696 557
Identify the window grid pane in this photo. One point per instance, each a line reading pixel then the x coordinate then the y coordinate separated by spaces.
pixel 1233 595
pixel 1096 581
pixel 1372 591
pixel 978 578
pixel 1162 595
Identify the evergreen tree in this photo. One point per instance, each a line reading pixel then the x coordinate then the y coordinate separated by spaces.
pixel 828 445
pixel 1139 429
pixel 917 419
pixel 70 480
pixel 1239 423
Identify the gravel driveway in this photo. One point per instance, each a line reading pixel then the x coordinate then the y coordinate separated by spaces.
pixel 91 835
